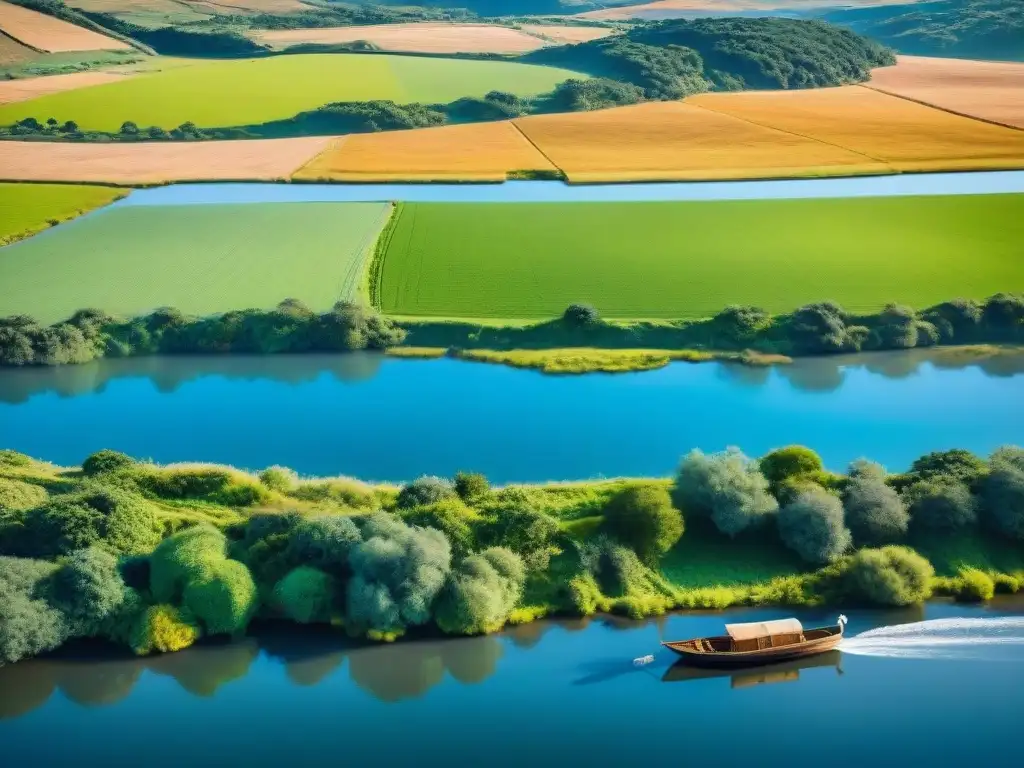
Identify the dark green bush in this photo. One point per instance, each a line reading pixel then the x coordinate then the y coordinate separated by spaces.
pixel 89 590
pixel 1002 492
pixel 514 524
pixel 942 504
pixel 324 542
pixel 106 461
pixel 29 625
pixel 642 518
pixel 306 595
pixel 481 592
pixel 471 485
pixel 581 316
pixel 890 576
pixel 183 558
pixel 957 464
pixel 424 490
pixel 223 596
pixel 812 526
pixel 874 512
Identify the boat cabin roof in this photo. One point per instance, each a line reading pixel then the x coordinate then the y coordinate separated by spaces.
pixel 758 629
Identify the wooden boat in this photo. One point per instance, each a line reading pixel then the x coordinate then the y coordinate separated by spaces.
pixel 762 642
pixel 744 677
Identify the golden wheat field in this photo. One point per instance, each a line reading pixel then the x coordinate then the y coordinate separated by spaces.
pixel 155 163
pixel 901 133
pixel 989 90
pixel 418 37
pixel 675 141
pixel 52 35
pixel 474 152
pixel 31 87
pixel 566 34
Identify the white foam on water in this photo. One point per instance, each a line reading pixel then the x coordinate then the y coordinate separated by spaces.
pixel 994 639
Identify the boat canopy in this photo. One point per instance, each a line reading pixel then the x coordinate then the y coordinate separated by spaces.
pixel 758 629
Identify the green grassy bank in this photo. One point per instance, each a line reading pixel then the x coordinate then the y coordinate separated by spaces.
pixel 155 557
pixel 26 209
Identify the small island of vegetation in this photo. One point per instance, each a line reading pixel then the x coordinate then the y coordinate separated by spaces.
pixel 155 557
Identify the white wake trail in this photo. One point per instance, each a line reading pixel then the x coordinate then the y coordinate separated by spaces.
pixel 995 639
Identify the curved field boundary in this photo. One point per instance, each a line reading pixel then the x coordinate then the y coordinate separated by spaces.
pixel 380 251
pixel 990 91
pixel 34 87
pixel 51 35
pixel 26 209
pixel 418 37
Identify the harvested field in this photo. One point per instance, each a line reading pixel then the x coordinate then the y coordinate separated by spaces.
pixel 251 91
pixel 33 87
pixel 46 33
pixel 989 90
pixel 480 152
pixel 661 9
pixel 566 34
pixel 29 208
pixel 13 52
pixel 686 260
pixel 662 141
pixel 200 259
pixel 419 37
pixel 905 135
pixel 155 163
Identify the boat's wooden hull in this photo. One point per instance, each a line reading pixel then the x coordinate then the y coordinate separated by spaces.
pixel 821 640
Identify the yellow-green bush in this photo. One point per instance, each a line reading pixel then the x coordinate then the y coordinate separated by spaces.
pixel 890 576
pixel 164 629
pixel 974 586
pixel 183 558
pixel 223 597
pixel 306 595
pixel 14 494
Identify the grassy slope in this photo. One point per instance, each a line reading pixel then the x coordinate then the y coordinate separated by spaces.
pixel 679 260
pixel 29 208
pixel 200 259
pixel 249 91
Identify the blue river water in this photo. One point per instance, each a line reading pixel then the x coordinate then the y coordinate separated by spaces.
pixel 549 693
pixel 972 183
pixel 389 419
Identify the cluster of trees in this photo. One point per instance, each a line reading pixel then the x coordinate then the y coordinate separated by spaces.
pixel 290 327
pixel 675 58
pixel 975 29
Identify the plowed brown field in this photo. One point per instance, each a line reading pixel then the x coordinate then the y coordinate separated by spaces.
pixel 426 37
pixel 31 87
pixel 478 152
pixel 990 90
pixel 157 162
pixel 52 35
pixel 567 34
pixel 905 135
pixel 674 141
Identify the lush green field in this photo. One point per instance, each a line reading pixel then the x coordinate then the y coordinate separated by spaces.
pixel 28 208
pixel 250 91
pixel 200 259
pixel 684 260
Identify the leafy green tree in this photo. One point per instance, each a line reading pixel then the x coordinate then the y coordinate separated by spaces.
pixel 29 625
pixel 890 576
pixel 481 592
pixel 957 464
pixel 728 487
pixel 471 485
pixel 306 595
pixel 942 504
pixel 812 526
pixel 874 512
pixel 642 517
pixel 1002 492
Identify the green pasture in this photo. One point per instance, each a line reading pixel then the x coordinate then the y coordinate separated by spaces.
pixel 691 259
pixel 28 208
pixel 201 259
pixel 251 91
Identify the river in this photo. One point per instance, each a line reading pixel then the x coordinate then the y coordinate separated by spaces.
pixel 382 418
pixel 549 693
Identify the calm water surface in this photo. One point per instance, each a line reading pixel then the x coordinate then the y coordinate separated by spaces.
pixel 972 183
pixel 545 694
pixel 388 419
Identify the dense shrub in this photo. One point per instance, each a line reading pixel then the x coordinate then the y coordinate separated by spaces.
pixel 16 495
pixel 450 516
pixel 164 629
pixel 279 479
pixel 89 590
pixel 397 571
pixel 306 595
pixel 941 504
pixel 1002 492
pixel 424 490
pixel 863 469
pixel 890 576
pixel 974 586
pixel 955 320
pixel 820 328
pixel 184 557
pixel 642 517
pixel 106 461
pixel 481 592
pixel 812 526
pixel 576 95
pixel 344 491
pixel 515 525
pixel 791 461
pixel 208 483
pixel 324 542
pixel 741 324
pixel 896 328
pixel 29 625
pixel 581 316
pixel 223 596
pixel 728 487
pixel 1004 312
pixel 957 464
pixel 874 512
pixel 471 485
pixel 1005 584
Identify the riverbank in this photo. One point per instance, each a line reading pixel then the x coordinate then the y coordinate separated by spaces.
pixel 155 557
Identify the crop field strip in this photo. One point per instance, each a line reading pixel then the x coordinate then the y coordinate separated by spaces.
pixel 986 90
pixel 201 259
pixel 477 151
pixel 29 208
pixel 709 7
pixel 45 33
pixel 158 162
pixel 34 87
pixel 691 259
pixel 235 92
pixel 420 37
pixel 661 141
pixel 901 133
pixel 566 34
